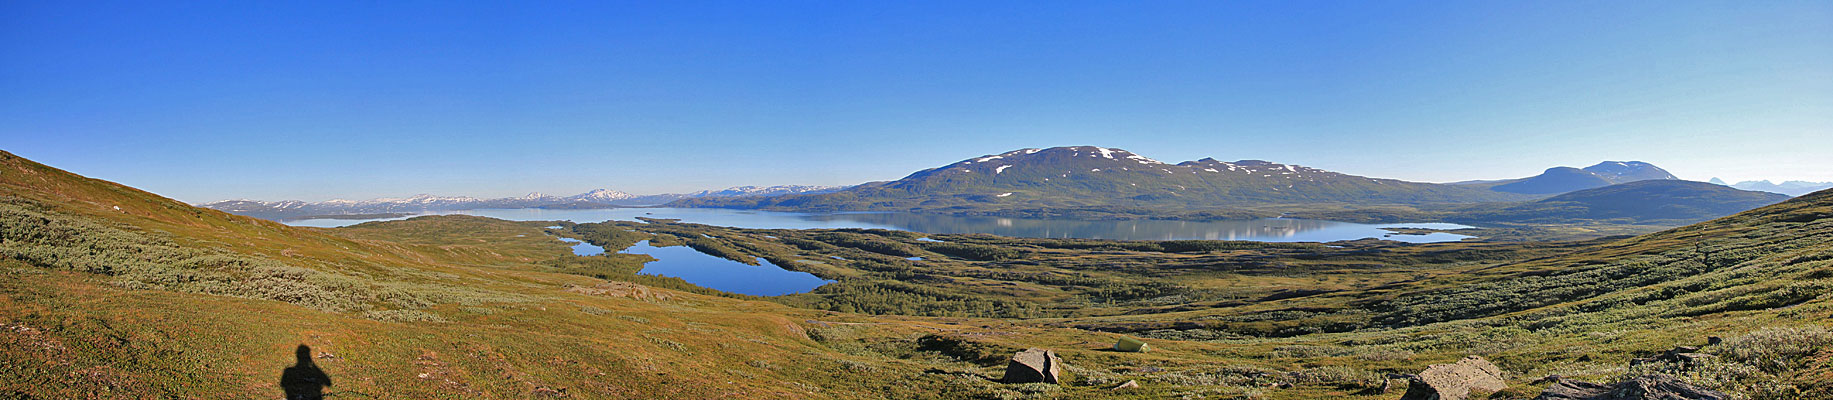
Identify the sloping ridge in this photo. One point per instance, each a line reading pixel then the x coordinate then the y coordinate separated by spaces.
pixel 109 289
pixel 1764 258
pixel 1567 179
pixel 27 179
pixel 57 216
pixel 1665 199
pixel 1646 202
pixel 1555 180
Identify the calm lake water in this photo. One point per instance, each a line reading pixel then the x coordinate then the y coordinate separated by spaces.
pixel 1266 230
pixel 582 248
pixel 764 279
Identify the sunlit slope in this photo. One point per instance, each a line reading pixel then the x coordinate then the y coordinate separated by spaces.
pixel 1768 257
pixel 158 299
pixel 70 336
pixel 63 193
pixel 1762 278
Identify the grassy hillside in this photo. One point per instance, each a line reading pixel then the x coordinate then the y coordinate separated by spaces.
pixel 159 299
pixel 1574 309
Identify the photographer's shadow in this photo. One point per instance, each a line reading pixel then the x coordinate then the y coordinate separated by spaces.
pixel 303 380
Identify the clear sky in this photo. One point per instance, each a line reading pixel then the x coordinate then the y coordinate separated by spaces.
pixel 316 100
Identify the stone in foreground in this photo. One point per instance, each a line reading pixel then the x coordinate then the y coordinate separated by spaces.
pixel 1455 381
pixel 1033 365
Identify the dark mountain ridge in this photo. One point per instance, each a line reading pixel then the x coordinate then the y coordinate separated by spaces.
pixel 1087 176
pixel 1643 202
pixel 1567 179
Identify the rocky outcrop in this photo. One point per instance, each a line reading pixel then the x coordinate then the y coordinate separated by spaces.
pixel 1651 387
pixel 1455 381
pixel 1033 365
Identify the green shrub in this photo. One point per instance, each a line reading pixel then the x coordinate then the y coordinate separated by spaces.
pixel 1776 349
pixel 974 251
pixel 403 316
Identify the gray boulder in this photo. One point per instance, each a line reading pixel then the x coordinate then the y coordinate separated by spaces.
pixel 1033 365
pixel 1650 387
pixel 1454 381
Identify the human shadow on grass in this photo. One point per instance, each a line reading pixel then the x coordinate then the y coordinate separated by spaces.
pixel 303 380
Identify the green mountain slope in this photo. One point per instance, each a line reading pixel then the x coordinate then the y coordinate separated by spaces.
pixel 1088 176
pixel 111 292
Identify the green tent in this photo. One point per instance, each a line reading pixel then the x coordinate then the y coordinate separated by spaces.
pixel 1132 345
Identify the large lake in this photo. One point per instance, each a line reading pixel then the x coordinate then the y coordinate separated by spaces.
pixel 1266 230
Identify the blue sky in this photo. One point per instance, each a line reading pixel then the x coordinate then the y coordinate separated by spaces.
pixel 318 100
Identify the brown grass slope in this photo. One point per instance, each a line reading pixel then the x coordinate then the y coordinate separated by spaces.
pixel 159 299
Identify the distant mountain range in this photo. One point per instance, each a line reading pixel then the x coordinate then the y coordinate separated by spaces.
pixel 1791 188
pixel 601 198
pixel 1567 179
pixel 1649 201
pixel 1097 181
pixel 1089 176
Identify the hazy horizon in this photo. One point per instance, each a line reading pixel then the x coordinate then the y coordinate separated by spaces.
pixel 326 196
pixel 272 101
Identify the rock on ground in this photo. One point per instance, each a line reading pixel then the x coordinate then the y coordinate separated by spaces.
pixel 1455 381
pixel 1033 365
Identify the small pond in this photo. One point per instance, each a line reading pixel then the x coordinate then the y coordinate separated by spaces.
pixel 582 248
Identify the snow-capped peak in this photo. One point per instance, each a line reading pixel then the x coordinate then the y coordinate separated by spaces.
pixel 602 195
pixel 764 190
